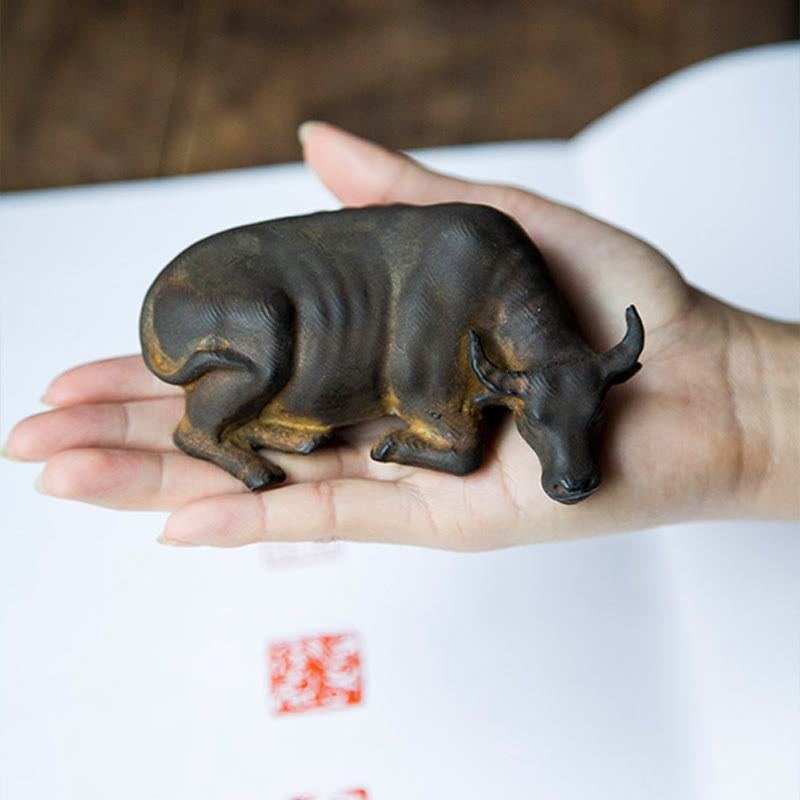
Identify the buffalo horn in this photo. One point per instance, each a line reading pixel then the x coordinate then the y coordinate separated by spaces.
pixel 497 380
pixel 621 360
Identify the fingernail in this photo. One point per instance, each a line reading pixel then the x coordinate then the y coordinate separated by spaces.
pixel 38 486
pixel 172 542
pixel 304 131
pixel 4 452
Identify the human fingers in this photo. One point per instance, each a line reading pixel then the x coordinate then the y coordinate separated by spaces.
pixel 361 172
pixel 156 481
pixel 133 480
pixel 328 510
pixel 136 425
pixel 110 380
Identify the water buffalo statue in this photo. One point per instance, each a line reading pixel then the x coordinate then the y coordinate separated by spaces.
pixel 282 331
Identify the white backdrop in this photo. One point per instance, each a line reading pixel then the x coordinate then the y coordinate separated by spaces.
pixel 658 664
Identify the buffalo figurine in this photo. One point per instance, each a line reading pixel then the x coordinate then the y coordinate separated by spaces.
pixel 282 331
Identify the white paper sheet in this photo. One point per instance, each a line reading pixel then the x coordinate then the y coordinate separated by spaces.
pixel 660 664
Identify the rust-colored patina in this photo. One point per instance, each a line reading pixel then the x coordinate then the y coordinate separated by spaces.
pixel 282 331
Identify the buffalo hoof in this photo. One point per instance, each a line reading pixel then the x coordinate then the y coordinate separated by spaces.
pixel 384 449
pixel 257 480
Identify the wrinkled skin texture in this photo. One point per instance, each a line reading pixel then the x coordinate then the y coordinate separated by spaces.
pixel 693 436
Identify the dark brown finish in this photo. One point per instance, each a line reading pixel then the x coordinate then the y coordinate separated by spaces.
pixel 96 90
pixel 282 331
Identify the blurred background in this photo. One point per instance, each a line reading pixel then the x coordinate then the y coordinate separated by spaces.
pixel 103 90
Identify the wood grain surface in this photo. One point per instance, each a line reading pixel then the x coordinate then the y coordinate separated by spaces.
pixel 99 90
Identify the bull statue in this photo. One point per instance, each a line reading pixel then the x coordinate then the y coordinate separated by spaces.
pixel 282 331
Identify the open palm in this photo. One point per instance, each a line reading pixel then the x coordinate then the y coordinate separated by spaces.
pixel 668 451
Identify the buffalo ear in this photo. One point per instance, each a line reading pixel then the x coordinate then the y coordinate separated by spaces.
pixel 497 380
pixel 621 362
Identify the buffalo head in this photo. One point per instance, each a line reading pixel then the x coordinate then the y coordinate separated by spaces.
pixel 558 406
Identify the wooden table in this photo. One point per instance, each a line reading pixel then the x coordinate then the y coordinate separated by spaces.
pixel 98 90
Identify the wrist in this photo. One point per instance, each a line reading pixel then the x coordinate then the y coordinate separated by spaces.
pixel 764 381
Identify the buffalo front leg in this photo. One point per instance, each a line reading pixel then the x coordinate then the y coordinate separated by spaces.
pixel 214 403
pixel 282 436
pixel 447 445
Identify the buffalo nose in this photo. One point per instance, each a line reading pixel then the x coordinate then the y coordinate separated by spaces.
pixel 572 489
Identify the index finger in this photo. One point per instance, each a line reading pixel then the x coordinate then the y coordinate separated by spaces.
pixel 108 381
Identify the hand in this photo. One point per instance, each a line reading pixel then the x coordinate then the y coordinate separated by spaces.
pixel 675 445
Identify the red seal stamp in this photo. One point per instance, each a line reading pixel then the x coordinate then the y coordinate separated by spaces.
pixel 351 794
pixel 317 672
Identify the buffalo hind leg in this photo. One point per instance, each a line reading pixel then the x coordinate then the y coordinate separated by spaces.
pixel 214 403
pixel 451 446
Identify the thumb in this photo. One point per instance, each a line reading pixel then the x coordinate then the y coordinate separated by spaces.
pixel 360 172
